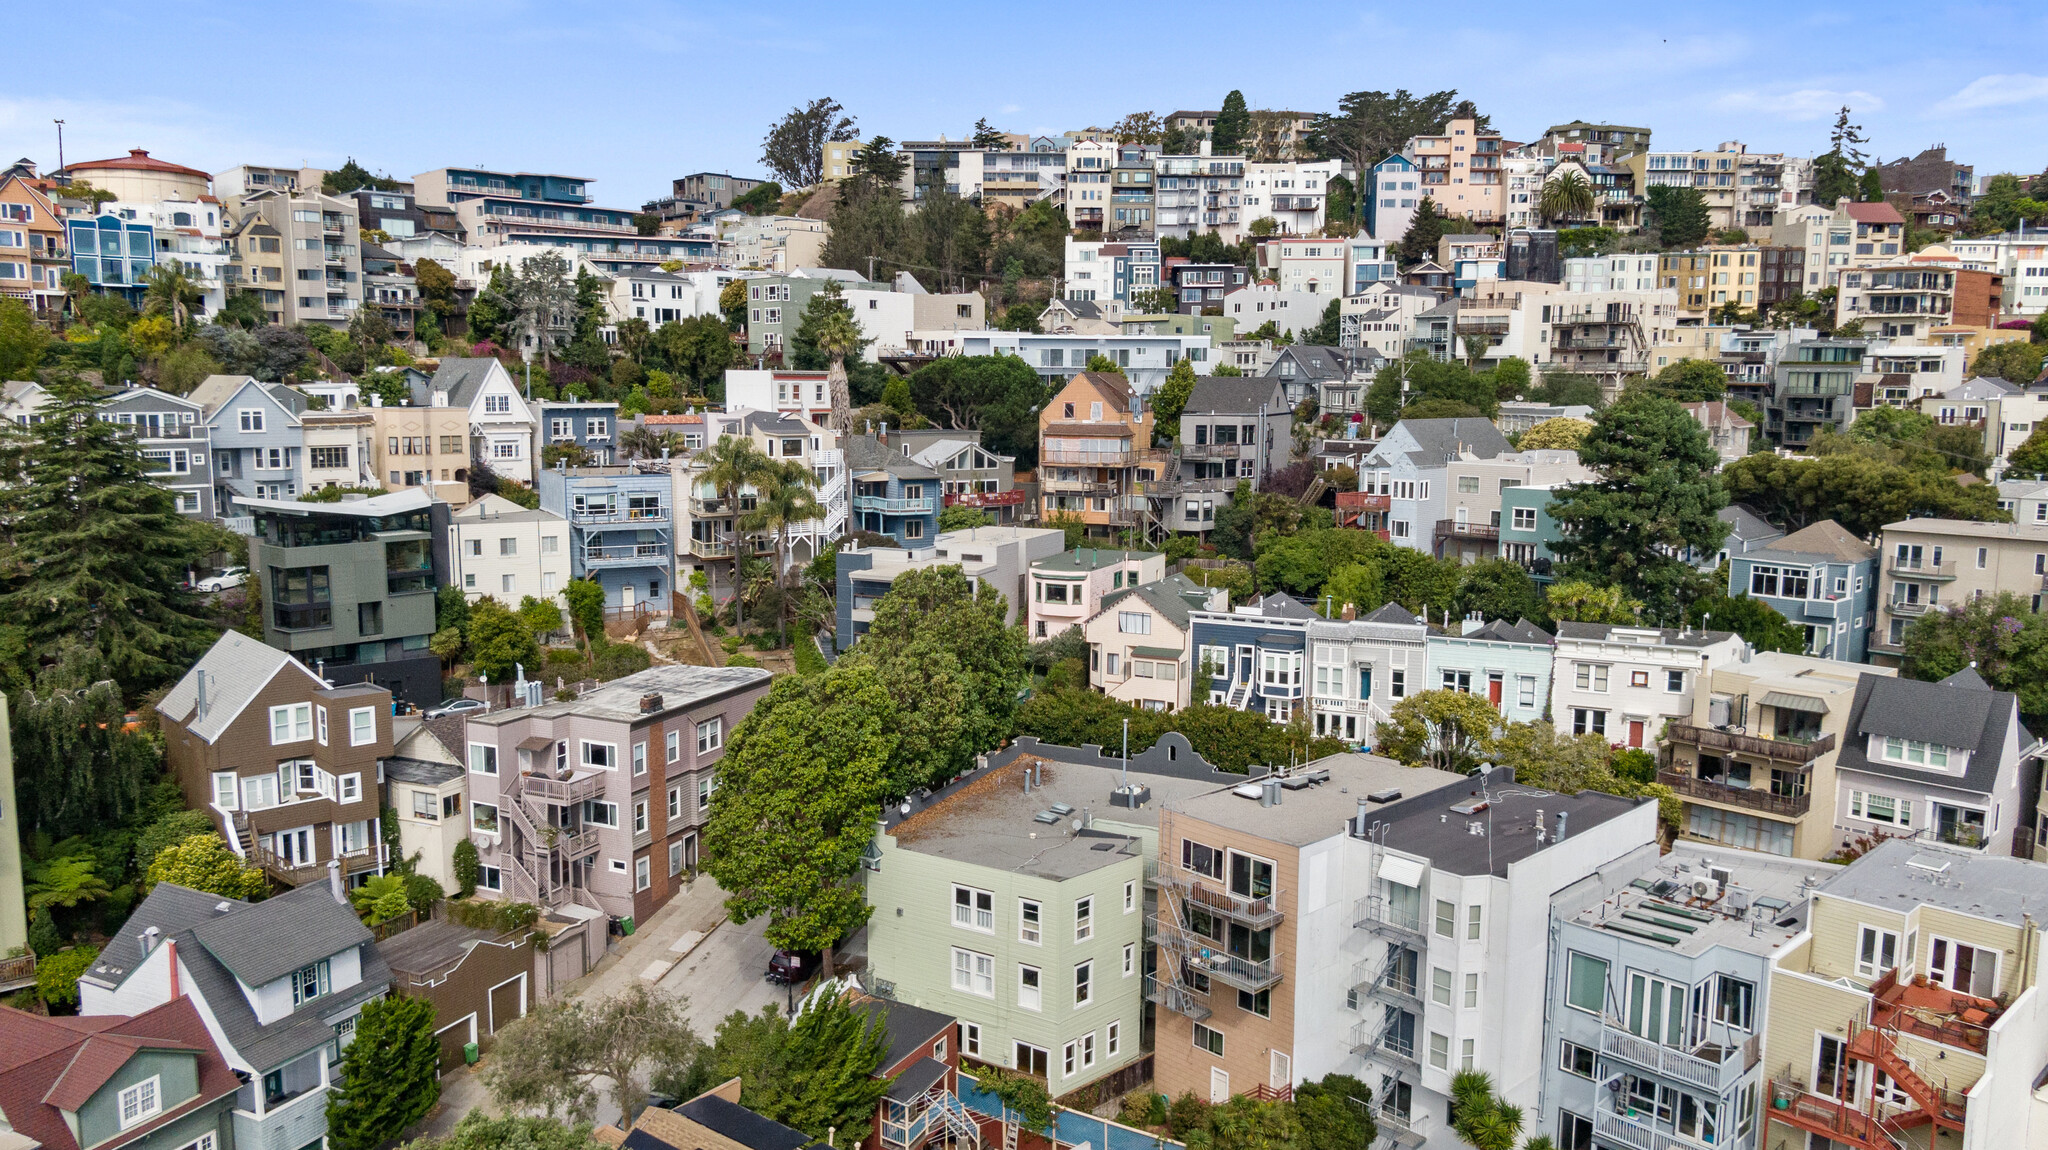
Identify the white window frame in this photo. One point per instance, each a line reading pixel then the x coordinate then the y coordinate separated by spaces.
pixel 611 755
pixel 1084 983
pixel 970 1039
pixel 673 746
pixel 974 972
pixel 1875 967
pixel 639 758
pixel 643 872
pixel 710 735
pixel 297 724
pixel 320 724
pixel 147 1097
pixel 1030 921
pixel 968 915
pixel 484 763
pixel 1084 918
pixel 349 788
pixel 1030 994
pixel 362 726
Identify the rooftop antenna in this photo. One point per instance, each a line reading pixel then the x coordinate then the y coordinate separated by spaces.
pixel 1127 755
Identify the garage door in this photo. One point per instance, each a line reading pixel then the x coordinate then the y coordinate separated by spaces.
pixel 508 1002
pixel 452 1039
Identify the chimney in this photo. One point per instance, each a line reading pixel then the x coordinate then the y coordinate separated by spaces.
pixel 149 937
pixel 171 956
pixel 1358 827
pixel 883 434
pixel 199 706
pixel 334 881
pixel 1350 612
pixel 1561 817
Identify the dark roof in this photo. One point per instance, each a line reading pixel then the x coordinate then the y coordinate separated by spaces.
pixel 1419 825
pixel 460 377
pixel 1173 597
pixel 431 944
pixel 174 910
pixel 264 942
pixel 917 1078
pixel 1502 631
pixel 1440 440
pixel 451 730
pixel 1826 539
pixel 1960 711
pixel 1279 605
pixel 866 453
pixel 911 1028
pixel 1390 613
pixel 52 1065
pixel 1235 395
pixel 1316 362
pixel 1746 524
pixel 421 771
pixel 740 1124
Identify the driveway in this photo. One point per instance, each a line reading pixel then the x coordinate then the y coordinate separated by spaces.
pixel 723 974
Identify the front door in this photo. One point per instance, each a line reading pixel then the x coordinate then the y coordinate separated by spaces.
pixel 1219 1085
pixel 1282 1075
pixel 1834 1072
pixel 1635 732
pixel 626 596
pixel 1493 686
pixel 296 847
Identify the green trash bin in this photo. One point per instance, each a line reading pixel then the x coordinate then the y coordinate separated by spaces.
pixel 469 1053
pixel 626 925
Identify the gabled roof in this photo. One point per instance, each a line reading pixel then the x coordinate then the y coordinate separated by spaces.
pixel 1874 213
pixel 236 668
pixel 1960 711
pixel 1746 524
pixel 1981 387
pixel 262 943
pixel 51 1066
pixel 1235 395
pixel 215 390
pixel 1826 539
pixel 462 376
pixel 1173 597
pixel 1390 612
pixel 910 1028
pixel 731 1121
pixel 1715 412
pixel 1283 606
pixel 1502 631
pixel 1315 361
pixel 1441 440
pixel 866 453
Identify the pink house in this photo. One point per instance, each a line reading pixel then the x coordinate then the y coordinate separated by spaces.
pixel 1067 589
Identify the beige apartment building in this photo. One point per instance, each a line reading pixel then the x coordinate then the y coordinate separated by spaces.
pixel 1931 562
pixel 422 447
pixel 1756 762
pixel 1909 1014
pixel 1461 171
pixel 1472 487
pixel 317 254
pixel 1092 438
pixel 339 449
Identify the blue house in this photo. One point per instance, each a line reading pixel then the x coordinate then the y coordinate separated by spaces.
pixel 253 432
pixel 1507 662
pixel 113 254
pixel 621 531
pixel 1393 198
pixel 1821 578
pixel 567 422
pixel 893 494
pixel 1527 530
pixel 1253 655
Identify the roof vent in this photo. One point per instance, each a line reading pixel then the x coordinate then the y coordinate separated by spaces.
pixel 1385 796
pixel 1061 809
pixel 1471 808
pixel 1046 817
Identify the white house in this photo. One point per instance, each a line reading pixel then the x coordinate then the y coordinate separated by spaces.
pixel 1291 311
pixel 1625 683
pixel 500 549
pixel 501 424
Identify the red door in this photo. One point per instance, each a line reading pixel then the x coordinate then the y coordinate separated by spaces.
pixel 1635 732
pixel 1493 690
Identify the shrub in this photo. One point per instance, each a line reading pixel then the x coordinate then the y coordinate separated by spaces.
pixel 466 867
pixel 57 975
pixel 422 892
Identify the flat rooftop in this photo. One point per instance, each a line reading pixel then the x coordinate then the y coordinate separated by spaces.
pixel 1429 827
pixel 1321 802
pixel 1090 559
pixel 680 688
pixel 989 820
pixel 1900 874
pixel 1760 908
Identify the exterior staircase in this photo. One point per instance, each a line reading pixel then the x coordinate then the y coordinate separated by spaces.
pixel 1932 1104
pixel 1240 695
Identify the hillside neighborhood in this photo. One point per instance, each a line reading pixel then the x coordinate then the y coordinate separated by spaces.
pixel 1241 629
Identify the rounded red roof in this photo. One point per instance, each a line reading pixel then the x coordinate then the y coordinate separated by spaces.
pixel 139 160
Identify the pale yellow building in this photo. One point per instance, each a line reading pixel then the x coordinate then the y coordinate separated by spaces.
pixel 1929 563
pixel 422 447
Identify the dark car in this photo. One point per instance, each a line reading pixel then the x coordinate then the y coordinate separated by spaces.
pixel 792 966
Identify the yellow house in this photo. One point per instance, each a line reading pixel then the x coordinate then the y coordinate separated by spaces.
pixel 1908 1016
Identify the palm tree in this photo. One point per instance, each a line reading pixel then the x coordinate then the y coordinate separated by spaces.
pixel 171 292
pixel 730 464
pixel 784 500
pixel 643 442
pixel 1566 196
pixel 838 336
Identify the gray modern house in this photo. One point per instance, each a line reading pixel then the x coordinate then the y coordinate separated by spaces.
pixel 1658 973
pixel 349 587
pixel 565 422
pixel 174 434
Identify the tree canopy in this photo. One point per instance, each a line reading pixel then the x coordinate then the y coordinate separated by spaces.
pixel 390 1074
pixel 2001 634
pixel 1861 493
pixel 793 151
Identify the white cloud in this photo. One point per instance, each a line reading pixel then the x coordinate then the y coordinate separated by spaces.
pixel 1996 91
pixel 1010 109
pixel 1799 104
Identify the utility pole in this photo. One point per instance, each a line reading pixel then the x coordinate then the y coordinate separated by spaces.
pixel 60 144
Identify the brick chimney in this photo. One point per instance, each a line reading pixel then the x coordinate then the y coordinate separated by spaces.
pixel 1350 612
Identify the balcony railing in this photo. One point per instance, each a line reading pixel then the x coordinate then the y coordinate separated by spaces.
pixel 1907 609
pixel 1785 806
pixel 1783 750
pixel 563 792
pixel 1119 458
pixel 636 553
pixel 1377 914
pixel 621 515
pixel 1171 996
pixel 892 506
pixel 1908 569
pixel 1718 1074
pixel 1446 528
pixel 1257 913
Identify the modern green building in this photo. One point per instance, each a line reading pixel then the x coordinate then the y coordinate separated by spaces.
pixel 1015 899
pixel 1527 530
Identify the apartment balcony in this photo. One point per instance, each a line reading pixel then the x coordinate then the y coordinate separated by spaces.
pixel 1795 751
pixel 1077 486
pixel 1256 913
pixel 701 508
pixel 1789 1102
pixel 1452 529
pixel 1210 450
pixel 642 516
pixel 1172 996
pixel 1908 610
pixel 887 506
pixel 1592 342
pixel 1934 1013
pixel 1710 1067
pixel 1119 457
pixel 575 789
pixel 1372 1038
pixel 1931 572
pixel 627 555
pixel 1748 798
pixel 1388 981
pixel 1625 1132
pixel 1376 914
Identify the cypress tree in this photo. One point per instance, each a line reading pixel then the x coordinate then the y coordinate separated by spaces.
pixel 1231 125
pixel 98 549
pixel 390 1074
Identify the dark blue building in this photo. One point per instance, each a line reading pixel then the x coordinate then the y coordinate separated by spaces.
pixel 567 422
pixel 893 494
pixel 1253 655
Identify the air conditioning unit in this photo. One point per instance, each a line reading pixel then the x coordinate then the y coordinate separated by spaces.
pixel 1706 889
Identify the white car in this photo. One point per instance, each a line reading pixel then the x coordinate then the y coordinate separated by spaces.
pixel 230 577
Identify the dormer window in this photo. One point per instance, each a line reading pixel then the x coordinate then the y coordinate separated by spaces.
pixel 1913 752
pixel 309 983
pixel 142 1101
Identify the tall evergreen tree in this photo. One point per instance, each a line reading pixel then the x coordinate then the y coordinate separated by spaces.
pixel 95 551
pixel 1227 137
pixel 1835 170
pixel 1424 231
pixel 1656 497
pixel 390 1074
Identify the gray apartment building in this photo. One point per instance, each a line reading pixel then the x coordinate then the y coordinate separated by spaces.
pixel 323 265
pixel 1659 974
pixel 349 587
pixel 598 802
pixel 253 432
pixel 173 433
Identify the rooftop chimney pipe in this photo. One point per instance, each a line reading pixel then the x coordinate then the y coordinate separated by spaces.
pixel 334 881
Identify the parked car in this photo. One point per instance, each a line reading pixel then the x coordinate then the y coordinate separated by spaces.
pixel 228 577
pixel 458 707
pixel 792 966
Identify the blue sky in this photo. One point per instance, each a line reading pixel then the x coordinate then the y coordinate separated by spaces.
pixel 632 95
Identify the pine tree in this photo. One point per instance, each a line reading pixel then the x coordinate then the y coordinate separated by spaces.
pixel 1835 170
pixel 1231 125
pixel 1423 233
pixel 390 1074
pixel 98 549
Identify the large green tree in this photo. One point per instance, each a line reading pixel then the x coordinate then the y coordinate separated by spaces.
pixel 816 1071
pixel 1754 620
pixel 1861 493
pixel 77 768
pixel 94 550
pixel 1498 589
pixel 1837 170
pixel 793 151
pixel 390 1074
pixel 1425 229
pixel 799 789
pixel 22 340
pixel 1655 497
pixel 1418 377
pixel 1367 127
pixel 1690 381
pixel 1680 215
pixel 996 395
pixel 554 1058
pixel 2000 635
pixel 1226 138
pixel 204 862
pixel 500 641
pixel 1448 730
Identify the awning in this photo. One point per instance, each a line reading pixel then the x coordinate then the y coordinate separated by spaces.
pixel 1791 702
pixel 535 743
pixel 1157 652
pixel 872 477
pixel 1405 871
